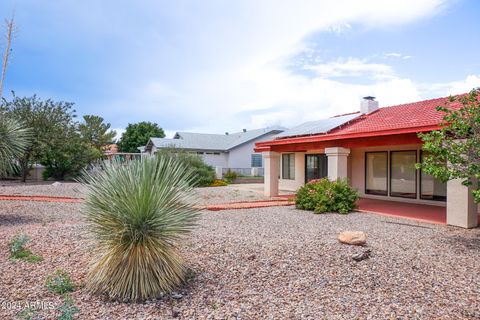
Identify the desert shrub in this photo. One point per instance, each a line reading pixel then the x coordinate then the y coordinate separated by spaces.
pixel 17 245
pixel 204 174
pixel 67 309
pixel 60 282
pixel 324 195
pixel 229 176
pixel 138 212
pixel 18 250
pixel 219 183
pixel 14 140
pixel 26 314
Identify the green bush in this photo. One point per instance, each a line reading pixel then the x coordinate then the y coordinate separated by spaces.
pixel 324 195
pixel 205 174
pixel 60 282
pixel 229 176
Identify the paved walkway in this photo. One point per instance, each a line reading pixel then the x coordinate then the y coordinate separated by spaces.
pixel 248 205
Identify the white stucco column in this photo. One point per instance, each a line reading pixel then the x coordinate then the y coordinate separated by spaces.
pixel 337 162
pixel 272 168
pixel 461 209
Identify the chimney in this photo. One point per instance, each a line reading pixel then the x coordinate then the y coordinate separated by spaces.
pixel 368 105
pixel 244 130
pixel 226 133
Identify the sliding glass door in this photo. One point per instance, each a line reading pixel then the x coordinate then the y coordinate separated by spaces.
pixel 403 174
pixel 376 164
pixel 393 173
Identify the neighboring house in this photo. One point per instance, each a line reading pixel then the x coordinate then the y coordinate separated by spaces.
pixel 376 149
pixel 229 151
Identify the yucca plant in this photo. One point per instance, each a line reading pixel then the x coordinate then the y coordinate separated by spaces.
pixel 138 212
pixel 14 140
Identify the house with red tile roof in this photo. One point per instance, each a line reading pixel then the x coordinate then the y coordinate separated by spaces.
pixel 376 149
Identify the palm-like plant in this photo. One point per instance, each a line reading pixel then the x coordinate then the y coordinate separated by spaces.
pixel 137 213
pixel 14 139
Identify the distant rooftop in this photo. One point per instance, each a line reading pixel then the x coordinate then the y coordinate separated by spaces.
pixel 319 126
pixel 214 142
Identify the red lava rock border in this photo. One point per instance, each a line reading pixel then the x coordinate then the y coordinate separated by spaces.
pixel 40 198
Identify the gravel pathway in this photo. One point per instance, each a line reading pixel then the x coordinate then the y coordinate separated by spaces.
pixel 275 263
pixel 68 189
pixel 209 195
pixel 231 193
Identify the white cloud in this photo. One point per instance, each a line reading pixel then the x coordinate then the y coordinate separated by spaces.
pixel 352 67
pixel 450 88
pixel 248 74
pixel 396 55
pixel 458 87
pixel 222 66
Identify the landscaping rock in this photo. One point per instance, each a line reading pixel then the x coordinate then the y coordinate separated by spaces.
pixel 361 256
pixel 357 238
pixel 56 184
pixel 176 295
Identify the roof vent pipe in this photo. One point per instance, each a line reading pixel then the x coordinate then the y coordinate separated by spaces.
pixel 244 130
pixel 368 105
pixel 226 133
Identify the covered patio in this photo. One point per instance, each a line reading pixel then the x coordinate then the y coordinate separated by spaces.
pixel 413 211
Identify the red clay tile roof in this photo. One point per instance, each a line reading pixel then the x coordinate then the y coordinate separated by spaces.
pixel 411 115
pixel 421 116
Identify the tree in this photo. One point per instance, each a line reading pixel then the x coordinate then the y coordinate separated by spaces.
pixel 48 120
pixel 137 135
pixel 68 155
pixel 10 29
pixel 96 132
pixel 453 152
pixel 14 139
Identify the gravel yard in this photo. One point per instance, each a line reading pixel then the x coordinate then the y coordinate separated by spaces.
pixel 276 263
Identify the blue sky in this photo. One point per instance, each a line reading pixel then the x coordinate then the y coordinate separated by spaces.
pixel 216 66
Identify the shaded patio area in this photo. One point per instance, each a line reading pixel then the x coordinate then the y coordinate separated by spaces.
pixel 419 212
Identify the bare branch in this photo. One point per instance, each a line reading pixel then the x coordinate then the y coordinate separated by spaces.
pixel 9 36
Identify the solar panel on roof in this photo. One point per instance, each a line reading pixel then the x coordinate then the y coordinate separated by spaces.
pixel 319 126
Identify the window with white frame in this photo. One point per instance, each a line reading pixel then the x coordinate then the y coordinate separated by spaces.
pixel 288 166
